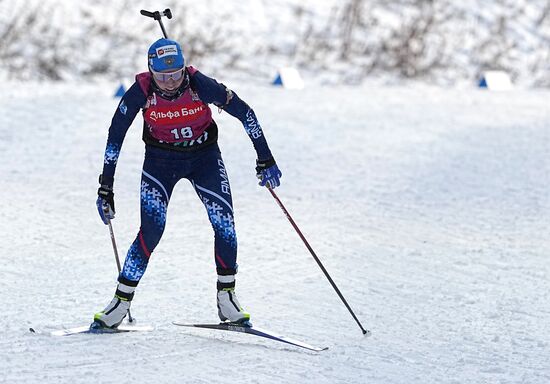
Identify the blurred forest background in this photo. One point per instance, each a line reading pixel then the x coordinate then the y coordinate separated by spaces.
pixel 336 41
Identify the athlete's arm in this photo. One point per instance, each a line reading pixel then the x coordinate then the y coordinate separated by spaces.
pixel 127 109
pixel 212 92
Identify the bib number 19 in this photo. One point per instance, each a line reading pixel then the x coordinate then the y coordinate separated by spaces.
pixel 182 133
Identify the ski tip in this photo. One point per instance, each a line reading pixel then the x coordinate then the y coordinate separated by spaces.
pixel 32 330
pixel 312 348
pixel 182 324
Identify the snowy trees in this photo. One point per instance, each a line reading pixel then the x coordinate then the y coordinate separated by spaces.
pixel 442 41
pixel 439 41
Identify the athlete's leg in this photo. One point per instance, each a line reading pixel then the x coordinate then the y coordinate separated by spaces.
pixel 157 184
pixel 211 183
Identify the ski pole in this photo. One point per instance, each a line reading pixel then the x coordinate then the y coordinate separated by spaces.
pixel 157 16
pixel 365 332
pixel 113 241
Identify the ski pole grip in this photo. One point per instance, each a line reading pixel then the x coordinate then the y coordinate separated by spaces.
pixel 147 13
pixel 155 15
pixel 168 13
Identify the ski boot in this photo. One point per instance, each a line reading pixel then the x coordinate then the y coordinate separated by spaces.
pixel 229 308
pixel 116 311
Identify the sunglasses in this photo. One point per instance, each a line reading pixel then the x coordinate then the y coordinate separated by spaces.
pixel 165 76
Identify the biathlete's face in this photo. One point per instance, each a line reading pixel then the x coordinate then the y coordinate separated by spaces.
pixel 169 80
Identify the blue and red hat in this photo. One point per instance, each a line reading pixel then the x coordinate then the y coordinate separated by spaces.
pixel 165 54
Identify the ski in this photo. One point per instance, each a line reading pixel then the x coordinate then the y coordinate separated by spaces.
pixel 244 328
pixel 87 329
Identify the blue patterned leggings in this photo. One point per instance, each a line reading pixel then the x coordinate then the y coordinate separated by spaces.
pixel 162 169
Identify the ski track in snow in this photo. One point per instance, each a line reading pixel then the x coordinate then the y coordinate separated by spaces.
pixel 429 207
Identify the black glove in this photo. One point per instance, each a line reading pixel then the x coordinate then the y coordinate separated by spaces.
pixel 106 199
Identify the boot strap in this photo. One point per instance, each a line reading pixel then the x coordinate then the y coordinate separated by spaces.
pixel 226 286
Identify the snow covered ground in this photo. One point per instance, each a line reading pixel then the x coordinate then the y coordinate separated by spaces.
pixel 430 208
